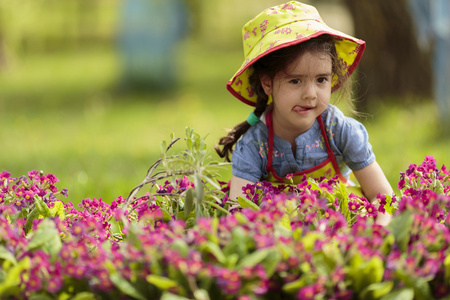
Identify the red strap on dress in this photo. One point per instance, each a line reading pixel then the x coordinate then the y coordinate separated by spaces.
pixel 331 157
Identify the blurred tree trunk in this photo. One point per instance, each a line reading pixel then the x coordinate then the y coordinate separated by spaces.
pixel 392 65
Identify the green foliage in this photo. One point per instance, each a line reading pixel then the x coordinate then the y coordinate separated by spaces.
pixel 182 199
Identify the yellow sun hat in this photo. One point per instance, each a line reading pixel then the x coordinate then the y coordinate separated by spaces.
pixel 282 26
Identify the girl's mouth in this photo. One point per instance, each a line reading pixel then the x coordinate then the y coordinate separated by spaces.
pixel 302 109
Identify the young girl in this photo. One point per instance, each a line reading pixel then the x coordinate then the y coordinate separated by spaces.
pixel 293 63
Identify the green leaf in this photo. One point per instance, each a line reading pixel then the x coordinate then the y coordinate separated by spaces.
pixel 162 283
pixel 166 216
pixel 390 209
pixel 376 290
pixel 116 227
pixel 447 267
pixel 13 280
pixel 6 255
pixel 180 246
pixel 254 258
pixel 198 191
pixel 33 215
pixel 293 286
pixel 332 255
pixel 188 202
pixel 314 185
pixel 439 188
pixel 386 246
pixel 215 251
pixel 232 260
pixel 212 182
pixel 364 273
pixel 343 200
pixel 84 296
pixel 46 237
pixel 190 223
pixel 40 297
pixel 403 294
pixel 201 294
pixel 239 242
pixel 58 210
pixel 420 285
pixel 42 207
pixel 217 207
pixel 198 195
pixel 310 239
pixel 163 146
pixel 125 287
pixel 271 262
pixel 244 202
pixel 170 296
pixel 400 226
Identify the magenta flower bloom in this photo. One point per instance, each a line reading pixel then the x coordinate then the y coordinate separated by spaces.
pixel 55 283
pixel 431 267
pixel 249 190
pixel 326 186
pixel 306 293
pixel 34 283
pixel 371 209
pixel 229 281
pixel 353 205
pixel 328 213
pixel 5 175
pixel 437 212
pixel 401 184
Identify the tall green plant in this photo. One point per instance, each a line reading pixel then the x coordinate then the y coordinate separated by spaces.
pixel 190 189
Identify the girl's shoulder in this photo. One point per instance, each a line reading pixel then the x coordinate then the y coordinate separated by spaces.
pixel 256 132
pixel 334 117
pixel 340 127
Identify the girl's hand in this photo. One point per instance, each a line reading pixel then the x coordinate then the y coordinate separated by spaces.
pixel 373 181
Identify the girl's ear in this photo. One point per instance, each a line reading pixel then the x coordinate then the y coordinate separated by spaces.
pixel 266 83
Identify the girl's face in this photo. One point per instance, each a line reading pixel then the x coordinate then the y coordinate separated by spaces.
pixel 300 94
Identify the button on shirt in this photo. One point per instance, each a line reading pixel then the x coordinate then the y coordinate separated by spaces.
pixel 348 140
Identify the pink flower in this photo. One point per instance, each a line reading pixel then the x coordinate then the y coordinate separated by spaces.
pixel 34 283
pixel 328 213
pixel 4 175
pixel 54 284
pixel 326 186
pixel 353 205
pixel 306 293
pixel 371 209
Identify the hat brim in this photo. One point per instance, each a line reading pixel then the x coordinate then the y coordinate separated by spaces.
pixel 349 49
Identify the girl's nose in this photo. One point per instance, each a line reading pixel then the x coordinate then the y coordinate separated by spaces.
pixel 309 91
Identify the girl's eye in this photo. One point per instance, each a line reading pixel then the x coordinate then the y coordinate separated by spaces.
pixel 295 81
pixel 322 79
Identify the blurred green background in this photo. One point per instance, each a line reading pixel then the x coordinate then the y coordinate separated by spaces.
pixel 66 107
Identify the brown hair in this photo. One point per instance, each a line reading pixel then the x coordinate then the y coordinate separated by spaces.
pixel 275 62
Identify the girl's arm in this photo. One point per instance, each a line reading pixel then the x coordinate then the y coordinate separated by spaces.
pixel 236 185
pixel 373 181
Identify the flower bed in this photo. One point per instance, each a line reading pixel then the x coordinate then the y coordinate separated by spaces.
pixel 184 239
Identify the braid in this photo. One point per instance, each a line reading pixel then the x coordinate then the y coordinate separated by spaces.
pixel 234 134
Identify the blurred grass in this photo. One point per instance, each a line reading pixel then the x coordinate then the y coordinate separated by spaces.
pixel 96 139
pixel 63 112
